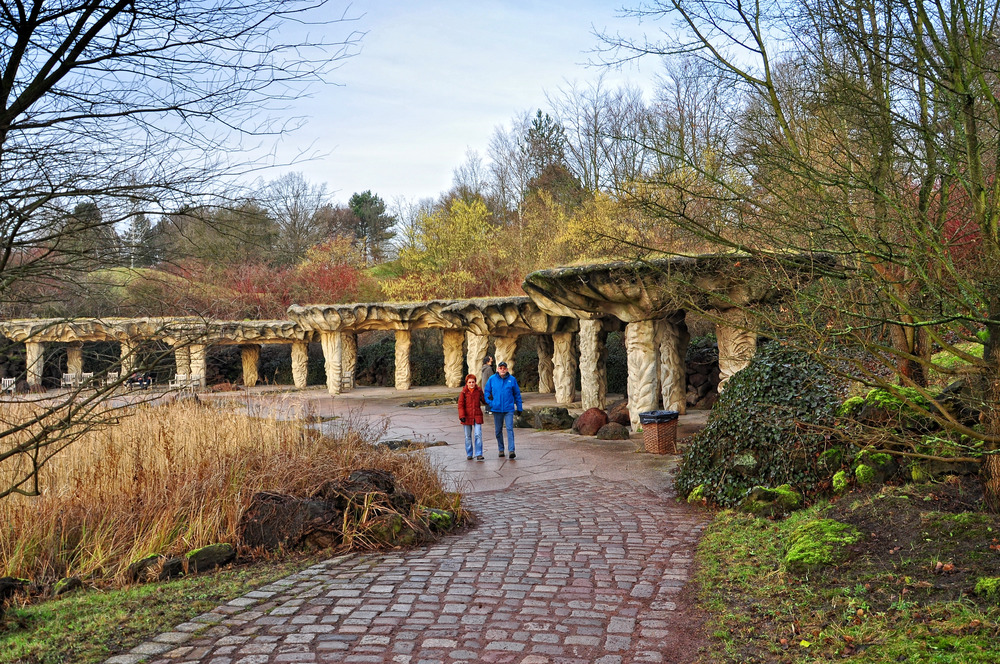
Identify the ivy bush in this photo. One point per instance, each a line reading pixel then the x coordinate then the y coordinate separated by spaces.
pixel 766 429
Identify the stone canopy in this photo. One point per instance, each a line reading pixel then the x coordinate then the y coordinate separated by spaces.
pixel 500 316
pixel 654 288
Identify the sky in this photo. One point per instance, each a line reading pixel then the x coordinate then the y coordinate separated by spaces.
pixel 433 79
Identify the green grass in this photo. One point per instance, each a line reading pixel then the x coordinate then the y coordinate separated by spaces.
pixel 760 613
pixel 87 627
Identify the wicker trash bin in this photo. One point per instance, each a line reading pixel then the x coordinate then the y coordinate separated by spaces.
pixel 659 431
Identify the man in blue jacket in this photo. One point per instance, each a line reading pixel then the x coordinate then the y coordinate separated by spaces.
pixel 504 398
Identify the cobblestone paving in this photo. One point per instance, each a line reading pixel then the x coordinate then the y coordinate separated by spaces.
pixel 573 570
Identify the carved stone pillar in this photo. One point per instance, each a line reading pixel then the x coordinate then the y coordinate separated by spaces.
pixel 506 349
pixel 182 359
pixel 545 384
pixel 593 364
pixel 453 340
pixel 475 351
pixel 34 353
pixel 127 353
pixel 403 375
pixel 643 387
pixel 349 357
pixel 250 354
pixel 74 358
pixel 199 368
pixel 672 338
pixel 300 363
pixel 564 367
pixel 737 345
pixel 331 342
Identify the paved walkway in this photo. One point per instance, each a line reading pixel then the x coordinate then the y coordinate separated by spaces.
pixel 579 555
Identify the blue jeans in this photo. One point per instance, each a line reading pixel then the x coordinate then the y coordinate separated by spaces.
pixel 499 420
pixel 471 429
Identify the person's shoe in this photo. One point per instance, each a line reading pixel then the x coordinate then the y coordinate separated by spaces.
pixel 502 455
pixel 480 458
pixel 469 458
pixel 512 456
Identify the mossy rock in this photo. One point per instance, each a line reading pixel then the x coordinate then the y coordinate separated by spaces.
pixel 390 530
pixel 841 481
pixel 67 585
pixel 210 557
pixel 764 501
pixel 988 586
pixel 145 569
pixel 439 520
pixel 851 407
pixel 874 468
pixel 817 544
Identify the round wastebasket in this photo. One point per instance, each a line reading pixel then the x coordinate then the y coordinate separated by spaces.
pixel 659 431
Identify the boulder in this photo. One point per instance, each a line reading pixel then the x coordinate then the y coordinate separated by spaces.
pixel 438 520
pixel 590 422
pixel 368 484
pixel 820 543
pixel 526 420
pixel 387 529
pixel 553 418
pixel 172 567
pixel 210 557
pixel 613 431
pixel 10 586
pixel 964 398
pixel 145 569
pixel 274 520
pixel 67 585
pixel 619 413
pixel 762 501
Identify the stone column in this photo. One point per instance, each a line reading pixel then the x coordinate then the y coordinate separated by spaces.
pixel 127 353
pixel 300 363
pixel 349 357
pixel 182 359
pixel 74 358
pixel 737 345
pixel 35 359
pixel 545 384
pixel 250 353
pixel 453 340
pixel 331 342
pixel 672 338
pixel 593 364
pixel 475 353
pixel 199 368
pixel 643 388
pixel 564 367
pixel 403 374
pixel 506 349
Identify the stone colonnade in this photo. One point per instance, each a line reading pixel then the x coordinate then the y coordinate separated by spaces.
pixel 570 311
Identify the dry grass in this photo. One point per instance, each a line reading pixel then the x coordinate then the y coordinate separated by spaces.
pixel 171 478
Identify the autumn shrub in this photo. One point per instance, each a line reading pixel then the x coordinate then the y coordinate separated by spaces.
pixel 768 428
pixel 168 479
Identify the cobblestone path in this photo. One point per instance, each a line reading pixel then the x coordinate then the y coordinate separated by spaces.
pixel 573 570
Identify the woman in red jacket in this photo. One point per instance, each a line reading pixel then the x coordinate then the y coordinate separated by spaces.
pixel 470 414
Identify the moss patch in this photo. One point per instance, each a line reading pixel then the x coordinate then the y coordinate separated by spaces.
pixel 818 544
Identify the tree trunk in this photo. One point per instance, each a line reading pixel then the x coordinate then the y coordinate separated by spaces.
pixel 990 471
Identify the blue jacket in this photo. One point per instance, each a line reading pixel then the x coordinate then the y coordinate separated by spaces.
pixel 503 394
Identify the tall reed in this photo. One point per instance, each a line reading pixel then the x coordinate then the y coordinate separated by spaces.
pixel 170 478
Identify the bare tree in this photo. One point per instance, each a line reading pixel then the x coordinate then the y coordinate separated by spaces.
pixel 298 208
pixel 133 106
pixel 868 129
